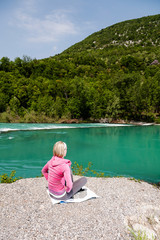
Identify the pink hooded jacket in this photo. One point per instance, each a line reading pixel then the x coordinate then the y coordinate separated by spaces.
pixel 58 174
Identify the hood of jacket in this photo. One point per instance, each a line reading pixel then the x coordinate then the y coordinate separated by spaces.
pixel 55 161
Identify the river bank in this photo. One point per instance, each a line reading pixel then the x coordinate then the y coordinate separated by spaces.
pixel 104 120
pixel 27 213
pixel 33 117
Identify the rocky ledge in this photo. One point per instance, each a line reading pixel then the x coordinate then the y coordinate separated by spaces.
pixel 124 207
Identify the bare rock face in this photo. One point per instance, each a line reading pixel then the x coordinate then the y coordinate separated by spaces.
pixel 146 222
pixel 155 62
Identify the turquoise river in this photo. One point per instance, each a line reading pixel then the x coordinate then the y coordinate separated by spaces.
pixel 116 150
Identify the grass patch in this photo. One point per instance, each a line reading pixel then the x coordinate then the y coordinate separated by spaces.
pixel 140 235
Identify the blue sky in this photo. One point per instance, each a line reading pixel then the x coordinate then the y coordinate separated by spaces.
pixel 43 28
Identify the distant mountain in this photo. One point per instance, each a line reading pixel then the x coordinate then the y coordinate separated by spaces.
pixel 143 32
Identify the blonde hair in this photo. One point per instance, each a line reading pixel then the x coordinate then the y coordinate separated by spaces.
pixel 59 149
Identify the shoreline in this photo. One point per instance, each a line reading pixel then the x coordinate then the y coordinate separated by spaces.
pixel 6 117
pixel 78 121
pixel 156 184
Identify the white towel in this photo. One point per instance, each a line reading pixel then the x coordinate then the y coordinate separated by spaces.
pixel 89 195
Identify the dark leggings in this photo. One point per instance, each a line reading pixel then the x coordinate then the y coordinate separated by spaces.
pixel 77 185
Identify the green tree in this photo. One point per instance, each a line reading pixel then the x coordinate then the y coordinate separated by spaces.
pixel 5 64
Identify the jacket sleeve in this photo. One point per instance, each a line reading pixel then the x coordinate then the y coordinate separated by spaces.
pixel 68 178
pixel 45 171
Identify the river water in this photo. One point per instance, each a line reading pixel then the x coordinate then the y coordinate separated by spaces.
pixel 126 150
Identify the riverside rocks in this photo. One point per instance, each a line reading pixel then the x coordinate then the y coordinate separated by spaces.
pixel 26 212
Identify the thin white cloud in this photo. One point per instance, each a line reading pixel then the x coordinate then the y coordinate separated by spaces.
pixel 47 29
pixel 29 5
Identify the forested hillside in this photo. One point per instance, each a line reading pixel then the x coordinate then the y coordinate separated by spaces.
pixel 112 74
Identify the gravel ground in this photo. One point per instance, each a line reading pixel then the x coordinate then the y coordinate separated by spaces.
pixel 26 211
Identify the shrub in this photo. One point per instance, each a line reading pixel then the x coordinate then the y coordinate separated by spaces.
pixel 81 171
pixel 9 179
